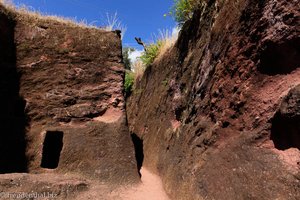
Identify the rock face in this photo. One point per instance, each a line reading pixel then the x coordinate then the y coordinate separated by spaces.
pixel 285 130
pixel 62 104
pixel 213 111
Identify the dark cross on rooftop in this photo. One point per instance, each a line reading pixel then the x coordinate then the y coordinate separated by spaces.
pixel 140 42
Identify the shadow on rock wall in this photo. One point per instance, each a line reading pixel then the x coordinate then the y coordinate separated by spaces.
pixel 13 119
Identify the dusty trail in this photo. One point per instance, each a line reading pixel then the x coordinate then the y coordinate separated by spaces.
pixel 77 188
pixel 151 188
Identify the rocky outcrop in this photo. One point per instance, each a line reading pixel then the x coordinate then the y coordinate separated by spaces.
pixel 209 111
pixel 285 124
pixel 62 99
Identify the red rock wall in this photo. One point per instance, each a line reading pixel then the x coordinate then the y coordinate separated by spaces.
pixel 70 80
pixel 204 110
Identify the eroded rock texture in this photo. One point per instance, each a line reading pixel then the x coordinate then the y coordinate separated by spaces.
pixel 62 104
pixel 204 110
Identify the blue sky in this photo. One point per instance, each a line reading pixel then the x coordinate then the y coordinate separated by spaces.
pixel 142 18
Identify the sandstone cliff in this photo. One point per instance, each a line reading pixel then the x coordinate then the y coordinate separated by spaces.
pixel 219 113
pixel 62 104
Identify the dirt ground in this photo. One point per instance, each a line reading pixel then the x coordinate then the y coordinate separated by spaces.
pixel 70 186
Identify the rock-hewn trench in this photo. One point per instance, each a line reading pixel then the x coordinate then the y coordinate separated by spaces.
pixel 216 117
pixel 219 112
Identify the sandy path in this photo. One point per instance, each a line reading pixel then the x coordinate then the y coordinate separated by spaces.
pixel 76 188
pixel 151 188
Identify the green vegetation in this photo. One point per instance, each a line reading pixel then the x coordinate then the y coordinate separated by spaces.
pixel 126 60
pixel 130 75
pixel 164 41
pixel 182 10
pixel 129 81
pixel 152 52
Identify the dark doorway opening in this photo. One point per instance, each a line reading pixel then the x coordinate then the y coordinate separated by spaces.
pixel 139 151
pixel 280 58
pixel 52 147
pixel 285 132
